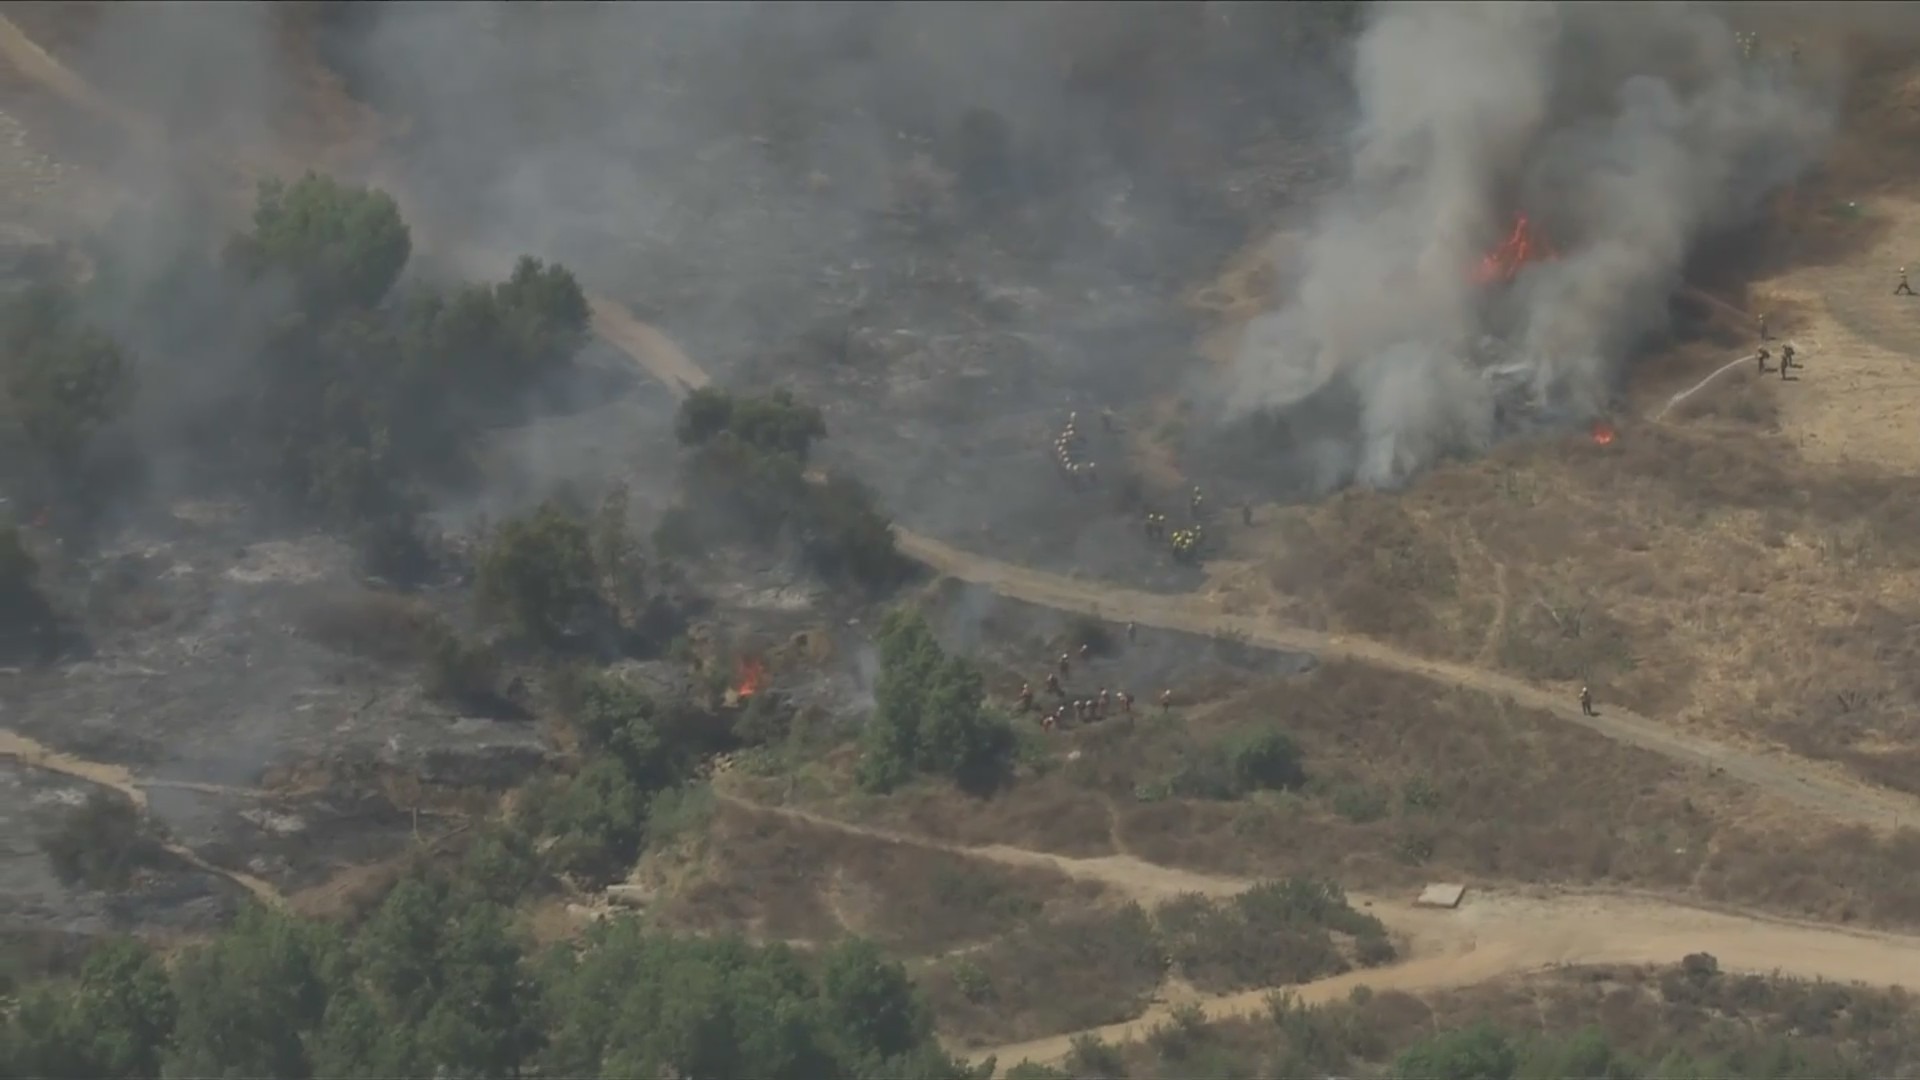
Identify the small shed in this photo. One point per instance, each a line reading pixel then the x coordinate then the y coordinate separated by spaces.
pixel 1441 895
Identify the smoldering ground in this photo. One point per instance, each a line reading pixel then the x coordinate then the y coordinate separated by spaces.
pixel 1623 133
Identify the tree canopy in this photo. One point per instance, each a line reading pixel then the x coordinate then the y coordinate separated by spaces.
pixel 930 713
pixel 437 982
pixel 61 379
pixel 744 479
pixel 341 246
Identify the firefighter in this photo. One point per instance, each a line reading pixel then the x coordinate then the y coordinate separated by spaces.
pixel 1101 698
pixel 1246 514
pixel 1761 358
pixel 1047 721
pixel 1194 503
pixel 1093 476
pixel 1586 701
pixel 1106 420
pixel 1761 322
pixel 1053 684
pixel 1786 357
pixel 1086 649
pixel 1903 289
pixel 1066 664
pixel 1126 703
pixel 1133 630
pixel 1166 701
pixel 1026 698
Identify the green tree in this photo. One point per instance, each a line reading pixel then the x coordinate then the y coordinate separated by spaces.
pixel 62 379
pixel 342 246
pixel 1587 1055
pixel 870 1003
pixel 251 1003
pixel 596 819
pixel 1476 1053
pixel 124 1010
pixel 1266 760
pixel 929 713
pixel 775 424
pixel 538 573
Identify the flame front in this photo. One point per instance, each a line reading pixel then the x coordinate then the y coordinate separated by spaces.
pixel 1504 262
pixel 1602 433
pixel 752 676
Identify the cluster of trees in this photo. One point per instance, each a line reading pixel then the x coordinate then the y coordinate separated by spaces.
pixel 61 381
pixel 436 982
pixel 562 573
pixel 745 480
pixel 317 375
pixel 361 394
pixel 639 751
pixel 930 714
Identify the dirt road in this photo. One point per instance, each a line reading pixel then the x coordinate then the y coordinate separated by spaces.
pixel 1814 786
pixel 1490 936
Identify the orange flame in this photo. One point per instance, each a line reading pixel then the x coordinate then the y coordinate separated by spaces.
pixel 1602 433
pixel 1521 247
pixel 752 676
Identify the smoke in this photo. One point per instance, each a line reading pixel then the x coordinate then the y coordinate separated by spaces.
pixel 1624 131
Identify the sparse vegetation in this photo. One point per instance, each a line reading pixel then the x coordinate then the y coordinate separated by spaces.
pixel 1273 934
pixel 1619 1023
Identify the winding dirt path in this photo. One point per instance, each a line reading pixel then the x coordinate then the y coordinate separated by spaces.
pixel 1490 936
pixel 19 748
pixel 1811 785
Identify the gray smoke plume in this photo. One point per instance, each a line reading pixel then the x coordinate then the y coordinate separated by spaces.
pixel 1623 131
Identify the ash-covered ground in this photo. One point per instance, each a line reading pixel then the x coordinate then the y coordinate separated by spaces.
pixel 946 236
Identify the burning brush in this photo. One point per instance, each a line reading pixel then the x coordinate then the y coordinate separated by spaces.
pixel 749 681
pixel 750 676
pixel 1522 246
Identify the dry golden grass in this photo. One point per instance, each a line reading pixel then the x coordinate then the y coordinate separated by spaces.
pixel 776 878
pixel 1408 784
pixel 1706 577
pixel 1103 966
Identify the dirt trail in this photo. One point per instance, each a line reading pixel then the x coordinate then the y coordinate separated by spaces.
pixel 1812 785
pixel 1806 783
pixel 17 747
pixel 1490 936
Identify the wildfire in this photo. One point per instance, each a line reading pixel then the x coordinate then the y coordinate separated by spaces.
pixel 1521 247
pixel 752 675
pixel 1602 433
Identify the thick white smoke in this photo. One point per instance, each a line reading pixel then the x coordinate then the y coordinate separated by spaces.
pixel 1624 130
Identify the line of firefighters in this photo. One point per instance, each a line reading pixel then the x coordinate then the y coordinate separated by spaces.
pixel 1080 474
pixel 1086 710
